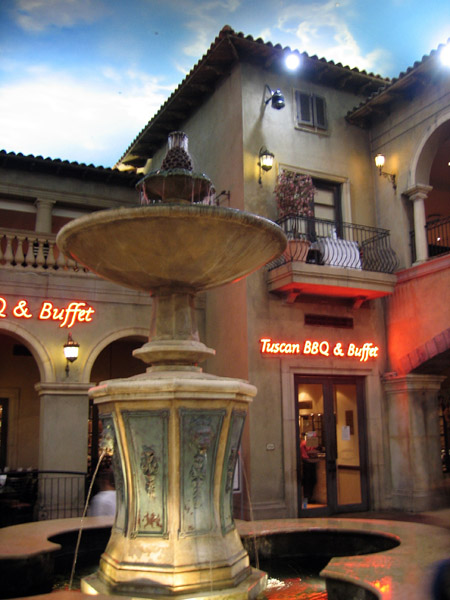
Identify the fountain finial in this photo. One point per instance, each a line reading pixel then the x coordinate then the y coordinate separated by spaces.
pixel 177 156
pixel 175 182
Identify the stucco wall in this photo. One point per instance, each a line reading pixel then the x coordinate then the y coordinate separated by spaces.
pixel 402 137
pixel 418 332
pixel 341 153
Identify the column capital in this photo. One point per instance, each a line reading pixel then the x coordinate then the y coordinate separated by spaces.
pixel 44 202
pixel 418 192
pixel 62 388
pixel 412 382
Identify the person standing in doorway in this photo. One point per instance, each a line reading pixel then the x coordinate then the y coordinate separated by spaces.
pixel 309 475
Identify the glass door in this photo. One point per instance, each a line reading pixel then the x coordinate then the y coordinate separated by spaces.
pixel 331 456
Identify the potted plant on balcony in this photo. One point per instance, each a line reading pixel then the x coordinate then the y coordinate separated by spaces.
pixel 294 194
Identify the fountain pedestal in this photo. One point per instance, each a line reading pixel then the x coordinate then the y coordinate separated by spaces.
pixel 174 431
pixel 176 437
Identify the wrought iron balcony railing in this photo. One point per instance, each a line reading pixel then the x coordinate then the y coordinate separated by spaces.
pixel 344 245
pixel 31 251
pixel 438 238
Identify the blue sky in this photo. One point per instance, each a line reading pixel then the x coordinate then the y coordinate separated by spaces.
pixel 80 78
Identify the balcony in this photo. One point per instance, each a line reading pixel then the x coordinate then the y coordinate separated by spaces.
pixel 349 262
pixel 29 251
pixel 438 238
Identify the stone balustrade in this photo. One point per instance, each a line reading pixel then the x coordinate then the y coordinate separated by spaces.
pixel 21 249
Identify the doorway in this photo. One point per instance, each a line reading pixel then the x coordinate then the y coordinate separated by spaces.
pixel 115 361
pixel 331 448
pixel 4 405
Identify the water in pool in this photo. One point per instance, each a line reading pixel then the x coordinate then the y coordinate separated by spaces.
pixel 294 580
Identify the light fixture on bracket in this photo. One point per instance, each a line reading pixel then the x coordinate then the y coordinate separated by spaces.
pixel 379 162
pixel 71 349
pixel 276 97
pixel 223 193
pixel 265 161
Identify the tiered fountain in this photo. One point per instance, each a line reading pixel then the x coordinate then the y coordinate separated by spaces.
pixel 174 431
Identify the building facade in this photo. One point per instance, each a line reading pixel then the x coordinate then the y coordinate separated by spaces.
pixel 346 336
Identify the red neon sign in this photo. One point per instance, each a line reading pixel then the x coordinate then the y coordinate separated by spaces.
pixel 319 348
pixel 74 312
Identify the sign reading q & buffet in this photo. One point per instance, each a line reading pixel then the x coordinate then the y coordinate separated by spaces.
pixel 66 316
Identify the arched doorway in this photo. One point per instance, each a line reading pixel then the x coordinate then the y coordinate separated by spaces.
pixel 19 404
pixel 115 361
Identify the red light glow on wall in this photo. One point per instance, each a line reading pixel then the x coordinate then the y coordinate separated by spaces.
pixel 362 352
pixel 74 312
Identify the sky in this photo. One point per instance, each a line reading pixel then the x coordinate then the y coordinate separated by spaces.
pixel 79 79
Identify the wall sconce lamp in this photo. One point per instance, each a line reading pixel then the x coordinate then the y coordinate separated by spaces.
pixel 223 193
pixel 265 162
pixel 379 162
pixel 71 349
pixel 276 97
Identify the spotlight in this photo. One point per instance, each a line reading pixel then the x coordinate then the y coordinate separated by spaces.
pixel 292 61
pixel 444 55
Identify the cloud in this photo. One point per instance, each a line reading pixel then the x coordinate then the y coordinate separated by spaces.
pixel 322 28
pixel 39 15
pixel 52 114
pixel 205 19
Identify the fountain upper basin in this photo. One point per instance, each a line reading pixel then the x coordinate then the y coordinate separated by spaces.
pixel 195 247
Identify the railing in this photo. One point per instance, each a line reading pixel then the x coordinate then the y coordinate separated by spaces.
pixel 346 245
pixel 438 238
pixel 29 250
pixel 41 495
pixel 60 495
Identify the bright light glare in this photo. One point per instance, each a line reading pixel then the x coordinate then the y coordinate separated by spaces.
pixel 444 55
pixel 292 61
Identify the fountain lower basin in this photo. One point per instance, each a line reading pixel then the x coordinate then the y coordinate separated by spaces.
pixel 51 544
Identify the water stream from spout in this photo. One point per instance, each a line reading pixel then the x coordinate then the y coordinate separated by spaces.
pixel 86 505
pixel 250 506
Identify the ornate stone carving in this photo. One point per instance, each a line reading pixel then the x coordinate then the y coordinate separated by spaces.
pixel 150 468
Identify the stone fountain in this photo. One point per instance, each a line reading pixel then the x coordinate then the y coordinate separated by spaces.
pixel 174 431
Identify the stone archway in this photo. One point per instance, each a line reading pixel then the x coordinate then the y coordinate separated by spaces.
pixel 428 184
pixel 111 358
pixel 25 363
pixel 37 349
pixel 130 332
pixel 426 357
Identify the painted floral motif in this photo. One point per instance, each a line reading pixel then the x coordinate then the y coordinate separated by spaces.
pixel 230 469
pixel 202 436
pixel 150 468
pixel 152 521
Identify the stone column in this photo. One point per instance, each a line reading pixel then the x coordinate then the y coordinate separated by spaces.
pixel 417 195
pixel 63 446
pixel 414 441
pixel 44 215
pixel 64 413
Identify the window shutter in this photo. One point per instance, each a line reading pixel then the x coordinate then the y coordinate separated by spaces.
pixel 304 109
pixel 320 117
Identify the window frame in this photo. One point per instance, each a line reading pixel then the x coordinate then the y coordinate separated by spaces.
pixel 312 120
